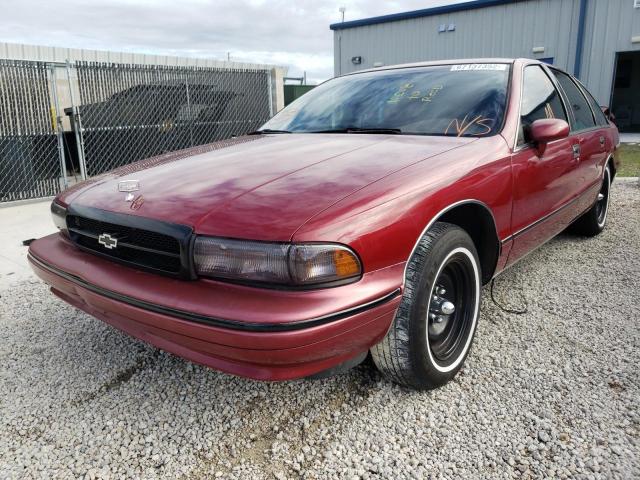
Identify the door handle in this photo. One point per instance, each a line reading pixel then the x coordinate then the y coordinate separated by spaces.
pixel 576 150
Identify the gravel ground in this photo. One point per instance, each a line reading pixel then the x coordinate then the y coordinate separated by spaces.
pixel 551 393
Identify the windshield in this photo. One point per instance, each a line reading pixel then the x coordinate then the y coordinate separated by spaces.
pixel 455 100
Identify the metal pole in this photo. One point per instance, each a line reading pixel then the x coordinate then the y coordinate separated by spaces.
pixel 75 115
pixel 339 55
pixel 270 88
pixel 59 129
pixel 186 82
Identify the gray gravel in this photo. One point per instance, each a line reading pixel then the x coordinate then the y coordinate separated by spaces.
pixel 551 393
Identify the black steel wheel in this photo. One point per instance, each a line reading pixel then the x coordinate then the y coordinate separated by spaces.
pixel 602 203
pixel 432 332
pixel 594 220
pixel 451 309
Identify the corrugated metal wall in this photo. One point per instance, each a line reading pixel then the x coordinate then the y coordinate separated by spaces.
pixel 610 26
pixel 510 30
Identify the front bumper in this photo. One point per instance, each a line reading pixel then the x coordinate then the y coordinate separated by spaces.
pixel 258 333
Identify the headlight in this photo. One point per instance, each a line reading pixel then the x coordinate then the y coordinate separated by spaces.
pixel 59 215
pixel 275 263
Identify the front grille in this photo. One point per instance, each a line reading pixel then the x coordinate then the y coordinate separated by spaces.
pixel 136 246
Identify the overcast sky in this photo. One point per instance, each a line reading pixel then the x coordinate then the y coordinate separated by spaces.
pixel 293 33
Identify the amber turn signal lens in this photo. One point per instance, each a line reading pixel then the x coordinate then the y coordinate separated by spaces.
pixel 318 263
pixel 346 263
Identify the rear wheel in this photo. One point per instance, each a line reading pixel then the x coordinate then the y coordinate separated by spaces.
pixel 593 222
pixel 436 321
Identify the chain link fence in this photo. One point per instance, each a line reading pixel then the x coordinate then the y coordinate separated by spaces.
pixel 131 112
pixel 118 114
pixel 29 157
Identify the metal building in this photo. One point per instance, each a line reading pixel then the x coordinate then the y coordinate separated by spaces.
pixel 597 40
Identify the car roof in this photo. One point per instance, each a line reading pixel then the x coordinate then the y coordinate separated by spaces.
pixel 456 61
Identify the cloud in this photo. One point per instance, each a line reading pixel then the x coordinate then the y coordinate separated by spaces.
pixel 286 32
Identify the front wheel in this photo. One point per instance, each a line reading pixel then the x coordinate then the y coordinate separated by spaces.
pixel 593 222
pixel 436 321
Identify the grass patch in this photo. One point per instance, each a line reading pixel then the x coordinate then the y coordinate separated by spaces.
pixel 630 161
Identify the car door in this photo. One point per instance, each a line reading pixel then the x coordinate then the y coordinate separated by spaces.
pixel 591 140
pixel 605 139
pixel 543 184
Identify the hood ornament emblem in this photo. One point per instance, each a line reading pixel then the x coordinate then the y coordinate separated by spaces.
pixel 128 185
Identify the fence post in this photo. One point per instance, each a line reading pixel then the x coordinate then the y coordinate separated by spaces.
pixel 59 129
pixel 189 119
pixel 270 87
pixel 77 128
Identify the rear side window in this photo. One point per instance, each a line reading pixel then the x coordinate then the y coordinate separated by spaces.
pixel 601 118
pixel 540 99
pixel 582 116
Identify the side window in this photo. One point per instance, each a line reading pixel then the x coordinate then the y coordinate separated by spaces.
pixel 583 118
pixel 601 119
pixel 540 99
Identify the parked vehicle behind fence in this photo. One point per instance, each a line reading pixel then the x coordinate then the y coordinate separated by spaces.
pixel 364 217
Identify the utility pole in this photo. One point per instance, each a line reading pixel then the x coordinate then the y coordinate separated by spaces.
pixel 342 10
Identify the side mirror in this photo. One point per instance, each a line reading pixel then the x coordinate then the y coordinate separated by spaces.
pixel 547 130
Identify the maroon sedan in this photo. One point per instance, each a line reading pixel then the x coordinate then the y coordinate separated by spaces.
pixel 364 217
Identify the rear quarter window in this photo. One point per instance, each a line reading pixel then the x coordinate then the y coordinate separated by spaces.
pixel 601 118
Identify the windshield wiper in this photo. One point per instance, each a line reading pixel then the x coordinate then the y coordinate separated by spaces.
pixel 388 131
pixel 267 130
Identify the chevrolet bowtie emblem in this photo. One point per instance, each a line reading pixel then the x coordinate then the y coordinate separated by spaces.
pixel 108 241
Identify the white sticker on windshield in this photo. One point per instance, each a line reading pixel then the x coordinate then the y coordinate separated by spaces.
pixel 479 66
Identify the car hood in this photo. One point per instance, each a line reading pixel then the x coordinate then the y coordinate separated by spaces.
pixel 260 187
